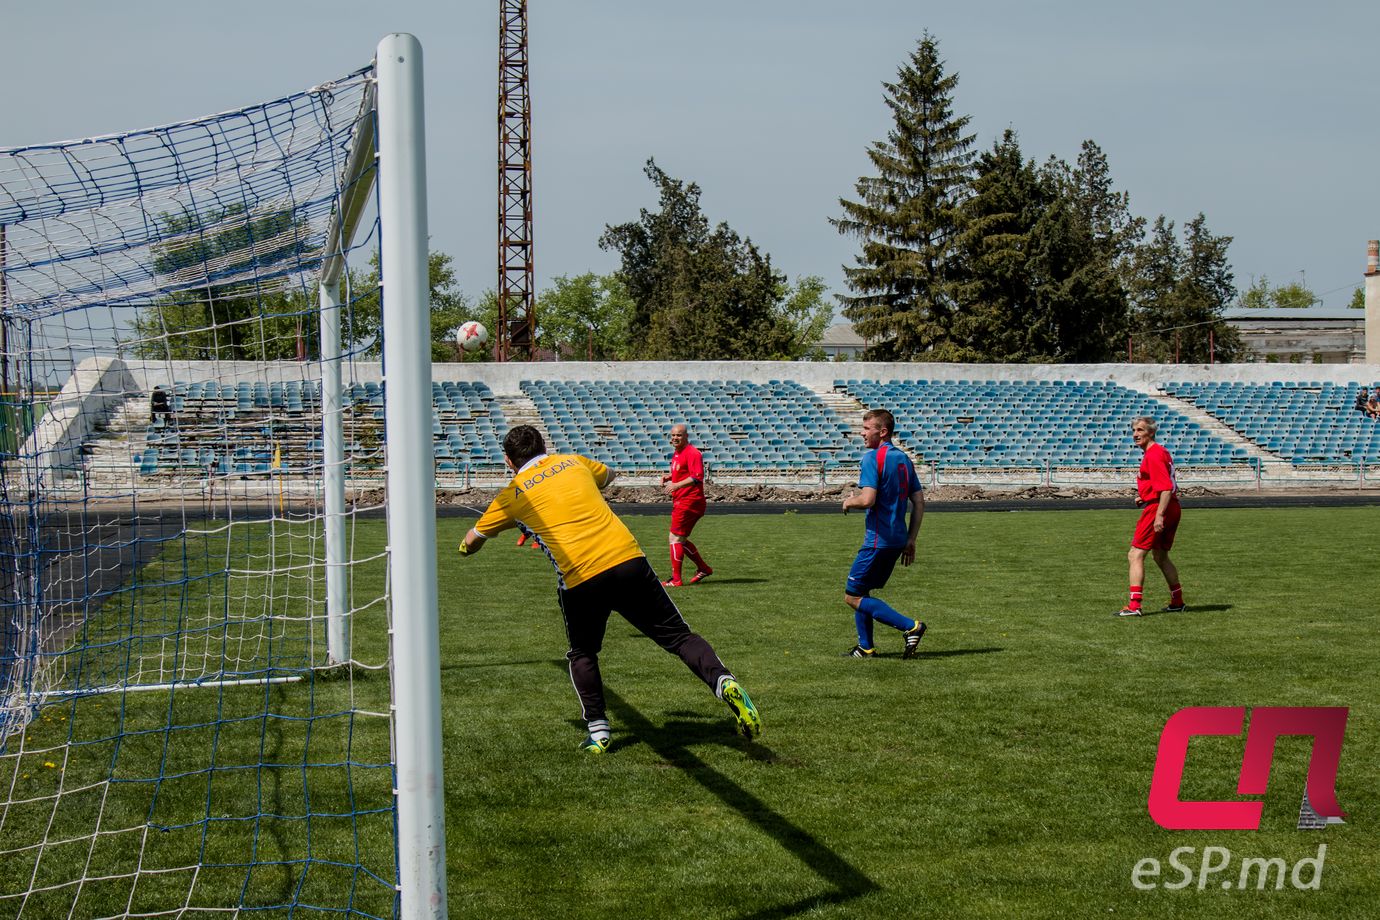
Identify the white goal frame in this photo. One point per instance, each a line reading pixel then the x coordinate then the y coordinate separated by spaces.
pixel 411 478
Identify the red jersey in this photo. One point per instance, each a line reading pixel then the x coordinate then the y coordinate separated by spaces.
pixel 1156 474
pixel 687 463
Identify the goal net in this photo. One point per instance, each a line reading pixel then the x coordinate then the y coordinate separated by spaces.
pixel 195 665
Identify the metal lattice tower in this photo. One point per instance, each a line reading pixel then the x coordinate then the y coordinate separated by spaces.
pixel 517 316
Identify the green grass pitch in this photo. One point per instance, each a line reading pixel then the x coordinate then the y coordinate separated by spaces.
pixel 1002 773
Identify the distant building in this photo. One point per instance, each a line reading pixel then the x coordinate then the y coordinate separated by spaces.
pixel 1373 301
pixel 841 343
pixel 1312 335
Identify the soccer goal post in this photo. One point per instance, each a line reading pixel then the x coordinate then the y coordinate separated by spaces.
pixel 219 674
pixel 411 476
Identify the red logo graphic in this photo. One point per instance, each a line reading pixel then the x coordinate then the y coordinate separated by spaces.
pixel 1325 724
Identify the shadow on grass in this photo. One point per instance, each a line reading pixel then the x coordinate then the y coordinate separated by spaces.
pixel 670 742
pixel 506 663
pixel 951 652
pixel 716 580
pixel 1192 609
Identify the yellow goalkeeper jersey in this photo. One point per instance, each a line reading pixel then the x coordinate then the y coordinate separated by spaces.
pixel 557 497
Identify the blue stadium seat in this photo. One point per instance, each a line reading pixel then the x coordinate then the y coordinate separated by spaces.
pixel 1300 421
pixel 975 422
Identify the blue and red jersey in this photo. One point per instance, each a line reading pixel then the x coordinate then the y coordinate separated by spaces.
pixel 888 470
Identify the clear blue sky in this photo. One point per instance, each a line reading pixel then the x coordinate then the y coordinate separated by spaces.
pixel 1261 115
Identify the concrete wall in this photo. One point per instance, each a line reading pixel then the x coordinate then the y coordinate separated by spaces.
pixel 95 389
pixel 505 378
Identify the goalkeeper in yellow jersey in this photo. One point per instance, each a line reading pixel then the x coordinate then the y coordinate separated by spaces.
pixel 599 569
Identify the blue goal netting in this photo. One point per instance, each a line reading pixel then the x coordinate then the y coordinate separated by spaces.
pixel 182 730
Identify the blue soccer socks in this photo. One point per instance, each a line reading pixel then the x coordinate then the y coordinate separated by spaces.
pixel 882 612
pixel 863 622
pixel 871 609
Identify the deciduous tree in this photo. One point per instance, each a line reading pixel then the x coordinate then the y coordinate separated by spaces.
pixel 1261 295
pixel 702 292
pixel 232 295
pixel 586 316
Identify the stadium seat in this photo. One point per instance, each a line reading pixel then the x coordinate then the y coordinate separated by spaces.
pixel 636 416
pixel 1301 422
pixel 972 422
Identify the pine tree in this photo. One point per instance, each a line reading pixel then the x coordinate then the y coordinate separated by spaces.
pixel 1107 213
pixel 1039 256
pixel 1179 293
pixel 1081 261
pixel 994 289
pixel 1079 300
pixel 1155 275
pixel 1206 288
pixel 907 217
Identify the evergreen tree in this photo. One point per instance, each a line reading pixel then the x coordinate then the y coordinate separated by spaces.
pixel 1039 277
pixel 1179 294
pixel 1080 306
pixel 1206 288
pixel 1155 275
pixel 907 218
pixel 705 293
pixel 1081 258
pixel 1106 212
pixel 994 290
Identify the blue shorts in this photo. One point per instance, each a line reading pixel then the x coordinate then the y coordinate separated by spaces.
pixel 871 569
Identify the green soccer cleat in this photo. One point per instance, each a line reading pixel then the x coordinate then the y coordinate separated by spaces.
pixel 593 745
pixel 744 713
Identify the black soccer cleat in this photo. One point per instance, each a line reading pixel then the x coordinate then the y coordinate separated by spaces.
pixel 913 637
pixel 858 651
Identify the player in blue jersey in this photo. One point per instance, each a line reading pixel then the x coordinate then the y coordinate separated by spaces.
pixel 888 488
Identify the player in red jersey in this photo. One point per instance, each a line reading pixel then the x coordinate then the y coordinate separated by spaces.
pixel 685 485
pixel 1157 494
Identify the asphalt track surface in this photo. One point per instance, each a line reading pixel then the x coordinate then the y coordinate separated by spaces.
pixel 1108 503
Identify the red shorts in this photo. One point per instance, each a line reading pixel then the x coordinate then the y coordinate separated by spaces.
pixel 1146 538
pixel 683 518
